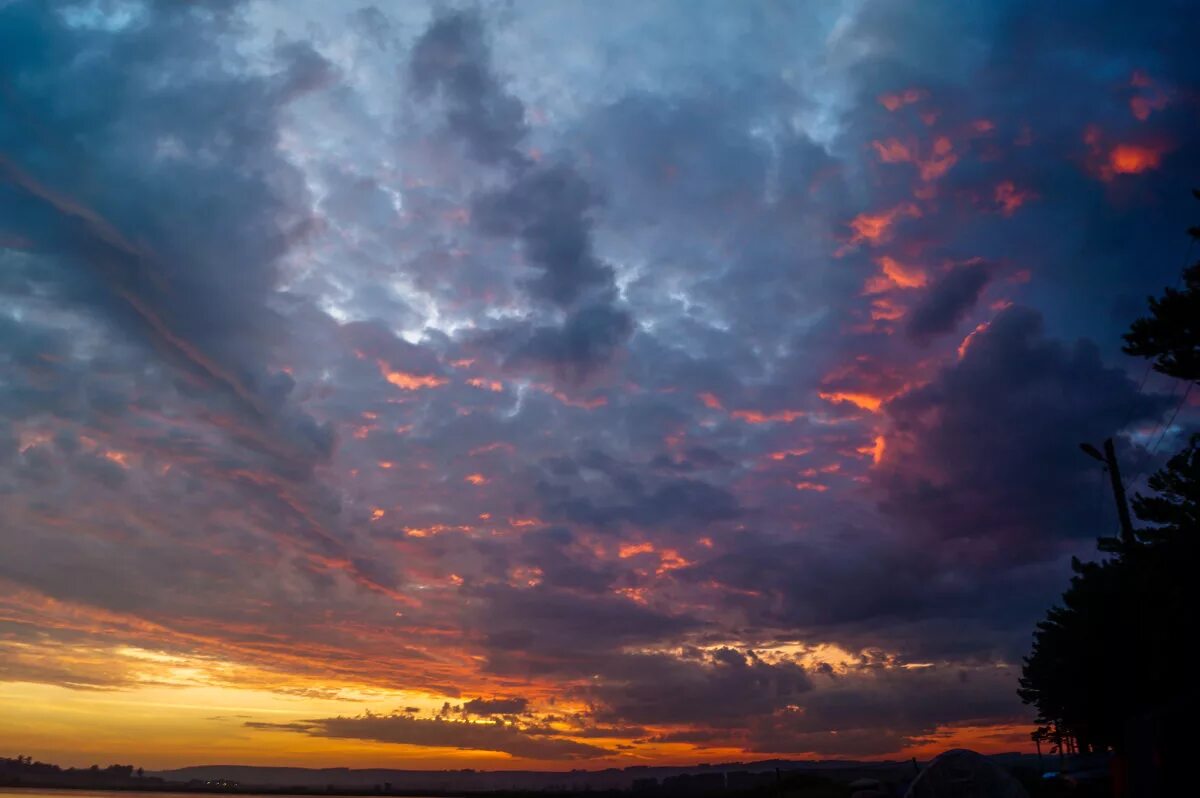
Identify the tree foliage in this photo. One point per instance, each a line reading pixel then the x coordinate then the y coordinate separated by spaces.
pixel 1170 335
pixel 1113 651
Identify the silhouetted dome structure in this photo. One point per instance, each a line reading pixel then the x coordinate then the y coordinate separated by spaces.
pixel 960 773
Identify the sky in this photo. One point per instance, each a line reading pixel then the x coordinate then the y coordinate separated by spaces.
pixel 566 384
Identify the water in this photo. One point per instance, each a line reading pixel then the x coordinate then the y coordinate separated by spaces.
pixel 47 792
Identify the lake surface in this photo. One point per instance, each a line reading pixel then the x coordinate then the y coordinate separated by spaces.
pixel 45 792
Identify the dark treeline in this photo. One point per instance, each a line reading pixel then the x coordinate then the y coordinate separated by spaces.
pixel 1108 672
pixel 24 770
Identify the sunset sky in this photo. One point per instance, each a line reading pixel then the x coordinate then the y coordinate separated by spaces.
pixel 566 384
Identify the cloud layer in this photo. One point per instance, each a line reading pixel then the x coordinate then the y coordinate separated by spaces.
pixel 666 383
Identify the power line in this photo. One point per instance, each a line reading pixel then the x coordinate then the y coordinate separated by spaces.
pixel 1166 428
pixel 1125 485
pixel 1187 257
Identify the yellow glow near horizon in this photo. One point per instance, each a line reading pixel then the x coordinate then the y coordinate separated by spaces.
pixel 157 727
pixel 165 710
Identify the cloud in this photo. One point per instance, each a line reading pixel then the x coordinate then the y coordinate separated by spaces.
pixel 958 460
pixel 875 711
pixel 721 688
pixel 539 744
pixel 546 207
pixel 600 491
pixel 496 706
pixel 580 361
pixel 546 631
pixel 150 221
pixel 452 58
pixel 948 301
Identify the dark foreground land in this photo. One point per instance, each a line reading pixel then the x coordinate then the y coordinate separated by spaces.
pixel 771 779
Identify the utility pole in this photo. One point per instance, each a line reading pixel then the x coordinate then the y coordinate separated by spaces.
pixel 1109 458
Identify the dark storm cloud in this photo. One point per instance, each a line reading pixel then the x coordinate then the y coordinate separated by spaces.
pixel 548 209
pixel 870 710
pixel 183 255
pixel 964 443
pixel 597 490
pixel 557 631
pixel 586 339
pixel 453 58
pixel 146 210
pixel 545 207
pixel 721 687
pixel 1043 79
pixel 861 592
pixel 873 710
pixel 496 706
pixel 948 301
pixel 983 531
pixel 510 739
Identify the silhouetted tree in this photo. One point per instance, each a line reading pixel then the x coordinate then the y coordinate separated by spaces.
pixel 1170 335
pixel 1111 652
pixel 1174 507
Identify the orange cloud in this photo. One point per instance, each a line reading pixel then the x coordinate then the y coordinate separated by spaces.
pixel 120 458
pixel 476 479
pixel 939 162
pixel 1121 158
pixel 864 401
pixel 409 382
pixel 940 159
pixel 966 342
pixel 875 450
pixel 670 560
pixel 902 275
pixel 894 274
pixel 892 151
pixel 1148 100
pixel 492 447
pixel 487 385
pixel 1131 159
pixel 430 531
pixel 884 309
pixel 710 401
pixel 875 228
pixel 894 102
pixel 786 453
pixel 1141 107
pixel 1008 197
pixel 758 417
pixel 570 401
pixel 628 550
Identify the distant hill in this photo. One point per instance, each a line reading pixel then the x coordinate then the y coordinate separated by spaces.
pixel 481 780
